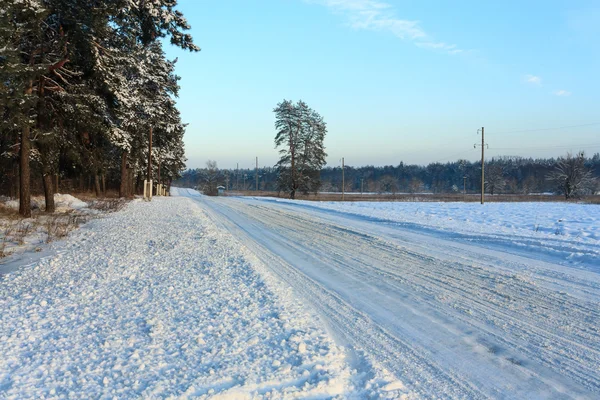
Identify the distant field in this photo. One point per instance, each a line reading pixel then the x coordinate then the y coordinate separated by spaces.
pixel 445 197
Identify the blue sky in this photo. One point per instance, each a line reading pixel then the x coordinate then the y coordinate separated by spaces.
pixel 395 80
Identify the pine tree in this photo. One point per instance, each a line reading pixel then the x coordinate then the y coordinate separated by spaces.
pixel 300 132
pixel 87 79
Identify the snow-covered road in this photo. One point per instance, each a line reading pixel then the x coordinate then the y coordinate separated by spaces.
pixel 156 302
pixel 447 317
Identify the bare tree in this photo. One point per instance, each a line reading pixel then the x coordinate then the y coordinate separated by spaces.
pixel 212 178
pixel 494 179
pixel 415 185
pixel 571 177
pixel 388 184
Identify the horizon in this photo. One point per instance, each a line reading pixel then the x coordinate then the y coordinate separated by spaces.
pixel 394 82
pixel 589 155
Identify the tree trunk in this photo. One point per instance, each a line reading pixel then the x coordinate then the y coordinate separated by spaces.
pixel 103 185
pixel 158 175
pixel 49 193
pixel 56 189
pixel 81 190
pixel 97 185
pixel 14 186
pixel 123 187
pixel 138 183
pixel 24 180
pixel 130 183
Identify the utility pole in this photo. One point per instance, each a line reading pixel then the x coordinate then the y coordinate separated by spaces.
pixel 150 155
pixel 148 183
pixel 343 180
pixel 464 187
pixel 483 145
pixel 237 177
pixel 361 185
pixel 257 174
pixel 158 186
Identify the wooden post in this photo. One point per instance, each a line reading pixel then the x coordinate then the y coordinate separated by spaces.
pixel 482 166
pixel 343 180
pixel 150 157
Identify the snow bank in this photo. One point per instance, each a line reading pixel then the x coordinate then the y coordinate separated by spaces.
pixel 569 230
pixel 564 219
pixel 153 302
pixel 63 202
pixel 66 201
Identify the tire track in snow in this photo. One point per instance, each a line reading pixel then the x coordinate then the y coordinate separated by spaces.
pixel 425 280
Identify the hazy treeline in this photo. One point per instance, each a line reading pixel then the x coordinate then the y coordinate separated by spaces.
pixel 503 175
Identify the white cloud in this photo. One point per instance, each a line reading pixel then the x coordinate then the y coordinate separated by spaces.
pixel 535 80
pixel 562 93
pixel 377 15
pixel 449 48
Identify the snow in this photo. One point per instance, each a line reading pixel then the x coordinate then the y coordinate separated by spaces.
pixel 157 301
pixel 20 237
pixel 438 313
pixel 576 220
pixel 567 230
pixel 235 298
pixel 66 201
pixel 62 202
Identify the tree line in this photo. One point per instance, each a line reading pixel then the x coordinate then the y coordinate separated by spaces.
pixel 81 85
pixel 571 175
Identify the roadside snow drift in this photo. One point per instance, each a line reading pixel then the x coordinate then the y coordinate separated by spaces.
pixel 568 231
pixel 63 202
pixel 156 301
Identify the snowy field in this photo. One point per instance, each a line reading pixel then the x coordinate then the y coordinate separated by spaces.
pixel 156 301
pixel 569 231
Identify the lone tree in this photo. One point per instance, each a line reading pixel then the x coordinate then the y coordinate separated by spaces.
pixel 300 134
pixel 570 175
pixel 494 179
pixel 211 178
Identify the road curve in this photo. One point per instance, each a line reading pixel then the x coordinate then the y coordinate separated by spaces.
pixel 449 319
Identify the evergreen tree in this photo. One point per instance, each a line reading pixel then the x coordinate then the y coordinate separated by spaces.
pixel 300 134
pixel 87 80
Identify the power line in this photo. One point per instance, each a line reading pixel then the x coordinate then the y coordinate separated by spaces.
pixel 568 146
pixel 549 129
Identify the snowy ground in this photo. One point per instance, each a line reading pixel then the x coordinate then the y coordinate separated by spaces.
pixel 450 311
pixel 569 231
pixel 157 301
pixel 234 298
pixel 27 239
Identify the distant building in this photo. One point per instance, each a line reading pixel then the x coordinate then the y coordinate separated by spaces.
pixel 221 190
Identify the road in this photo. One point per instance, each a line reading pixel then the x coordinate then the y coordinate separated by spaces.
pixel 448 318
